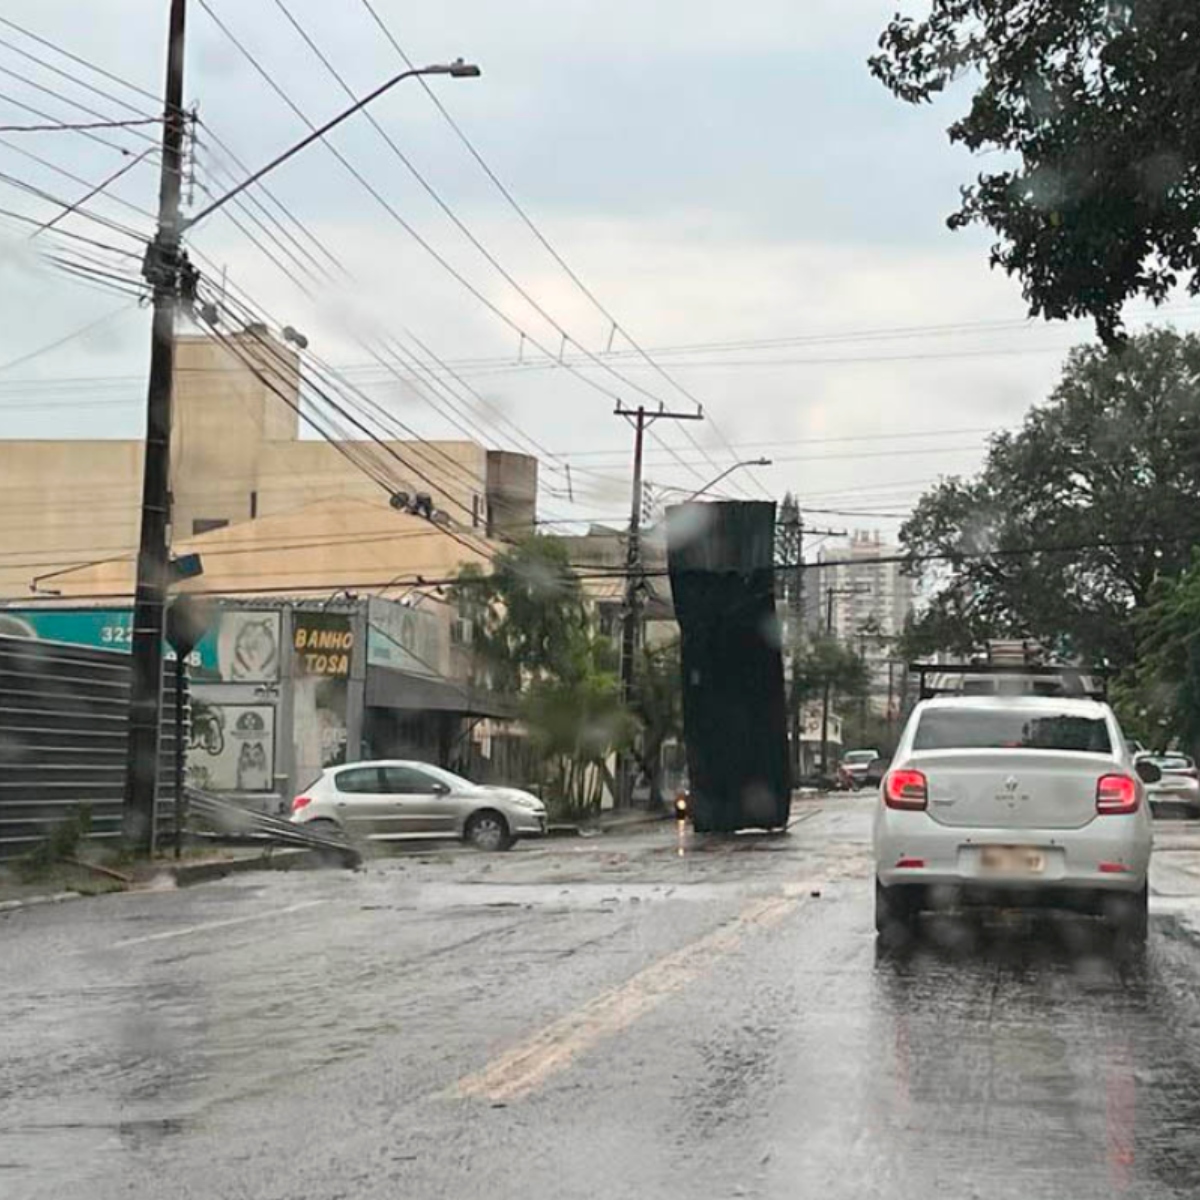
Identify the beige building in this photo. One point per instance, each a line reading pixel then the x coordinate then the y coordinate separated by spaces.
pixel 244 480
pixel 603 550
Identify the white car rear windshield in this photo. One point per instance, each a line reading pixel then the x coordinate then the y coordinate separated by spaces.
pixel 1012 729
pixel 1172 762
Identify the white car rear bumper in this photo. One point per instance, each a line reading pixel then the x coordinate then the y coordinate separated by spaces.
pixel 913 848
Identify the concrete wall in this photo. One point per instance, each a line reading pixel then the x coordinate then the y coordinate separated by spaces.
pixel 64 503
pixel 511 492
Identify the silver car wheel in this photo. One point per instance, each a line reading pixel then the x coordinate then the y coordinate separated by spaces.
pixel 487 832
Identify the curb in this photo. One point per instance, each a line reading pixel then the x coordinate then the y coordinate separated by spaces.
pixel 568 830
pixel 186 874
pixel 34 901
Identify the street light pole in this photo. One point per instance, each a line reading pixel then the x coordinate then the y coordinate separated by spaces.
pixel 162 270
pixel 458 69
pixel 165 269
pixel 737 466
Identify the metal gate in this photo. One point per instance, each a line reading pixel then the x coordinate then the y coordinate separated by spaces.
pixel 63 729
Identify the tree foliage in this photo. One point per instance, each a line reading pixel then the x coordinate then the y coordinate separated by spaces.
pixel 826 661
pixel 532 634
pixel 1064 532
pixel 1158 698
pixel 1096 106
pixel 527 615
pixel 657 705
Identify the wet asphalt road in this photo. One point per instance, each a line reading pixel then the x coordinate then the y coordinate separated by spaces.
pixel 632 1016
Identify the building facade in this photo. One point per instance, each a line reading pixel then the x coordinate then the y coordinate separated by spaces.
pixel 237 458
pixel 859 594
pixel 332 633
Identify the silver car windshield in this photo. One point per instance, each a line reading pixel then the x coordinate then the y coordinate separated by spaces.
pixel 999 728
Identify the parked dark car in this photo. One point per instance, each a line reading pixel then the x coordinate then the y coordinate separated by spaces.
pixel 853 768
pixel 876 770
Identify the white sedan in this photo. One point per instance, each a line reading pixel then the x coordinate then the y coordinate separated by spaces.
pixel 394 799
pixel 1013 801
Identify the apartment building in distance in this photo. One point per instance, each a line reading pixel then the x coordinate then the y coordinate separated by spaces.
pixel 863 599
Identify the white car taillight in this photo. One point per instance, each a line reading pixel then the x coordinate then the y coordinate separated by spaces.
pixel 905 789
pixel 301 802
pixel 1116 794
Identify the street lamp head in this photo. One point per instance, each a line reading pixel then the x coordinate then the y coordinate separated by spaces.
pixel 762 462
pixel 458 68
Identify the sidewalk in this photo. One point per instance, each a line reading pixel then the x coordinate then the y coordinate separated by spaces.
pixel 1175 874
pixel 608 822
pixel 73 880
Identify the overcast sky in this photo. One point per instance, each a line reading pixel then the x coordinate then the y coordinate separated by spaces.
pixel 714 173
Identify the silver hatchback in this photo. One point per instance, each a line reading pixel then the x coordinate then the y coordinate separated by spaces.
pixel 395 799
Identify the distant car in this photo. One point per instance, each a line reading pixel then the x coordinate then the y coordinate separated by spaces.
pixel 852 771
pixel 1013 801
pixel 876 769
pixel 1179 785
pixel 393 799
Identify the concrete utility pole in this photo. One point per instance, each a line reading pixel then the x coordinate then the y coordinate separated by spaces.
pixel 641 419
pixel 162 270
pixel 167 270
pixel 789 553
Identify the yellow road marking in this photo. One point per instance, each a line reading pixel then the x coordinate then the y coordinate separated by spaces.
pixel 528 1065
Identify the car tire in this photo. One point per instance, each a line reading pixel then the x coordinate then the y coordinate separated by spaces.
pixel 1129 914
pixel 896 911
pixel 488 830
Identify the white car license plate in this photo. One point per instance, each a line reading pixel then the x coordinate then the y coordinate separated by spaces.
pixel 1011 860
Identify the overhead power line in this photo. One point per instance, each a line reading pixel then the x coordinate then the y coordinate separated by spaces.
pixel 586 572
pixel 541 237
pixel 425 245
pixel 304 266
pixel 343 446
pixel 34 37
pixel 82 331
pixel 71 127
pixel 463 228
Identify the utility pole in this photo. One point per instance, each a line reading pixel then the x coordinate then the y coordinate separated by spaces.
pixel 172 279
pixel 789 553
pixel 641 419
pixel 162 270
